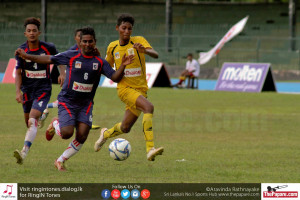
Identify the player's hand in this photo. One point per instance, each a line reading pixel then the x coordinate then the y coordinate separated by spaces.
pixel 127 60
pixel 139 47
pixel 21 53
pixel 19 97
pixel 61 80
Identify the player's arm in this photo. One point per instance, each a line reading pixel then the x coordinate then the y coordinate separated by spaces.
pixel 109 57
pixel 18 83
pixel 118 75
pixel 149 51
pixel 42 59
pixel 62 74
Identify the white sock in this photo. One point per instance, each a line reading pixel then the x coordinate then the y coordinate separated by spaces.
pixel 72 149
pixel 56 127
pixel 30 134
pixel 53 104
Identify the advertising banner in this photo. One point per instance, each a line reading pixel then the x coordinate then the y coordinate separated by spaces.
pixel 10 72
pixel 246 77
pixel 156 75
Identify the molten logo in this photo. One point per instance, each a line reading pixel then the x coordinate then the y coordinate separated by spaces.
pixel 81 87
pixel 35 74
pixel 246 73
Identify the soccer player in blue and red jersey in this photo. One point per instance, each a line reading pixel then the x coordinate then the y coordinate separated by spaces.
pixel 76 97
pixel 33 82
pixel 55 103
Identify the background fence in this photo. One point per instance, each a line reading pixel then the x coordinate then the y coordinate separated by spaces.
pixel 196 28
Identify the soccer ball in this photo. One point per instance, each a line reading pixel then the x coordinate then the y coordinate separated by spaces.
pixel 119 149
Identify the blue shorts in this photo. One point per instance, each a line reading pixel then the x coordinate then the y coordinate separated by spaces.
pixel 36 100
pixel 69 113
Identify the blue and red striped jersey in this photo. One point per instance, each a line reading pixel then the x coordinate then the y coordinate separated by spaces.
pixel 82 75
pixel 35 75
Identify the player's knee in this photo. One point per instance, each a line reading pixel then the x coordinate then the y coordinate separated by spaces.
pixel 149 108
pixel 66 134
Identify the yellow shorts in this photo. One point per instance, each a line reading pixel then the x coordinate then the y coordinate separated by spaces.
pixel 129 96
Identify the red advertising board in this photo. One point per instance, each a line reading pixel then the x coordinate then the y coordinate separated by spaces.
pixel 9 76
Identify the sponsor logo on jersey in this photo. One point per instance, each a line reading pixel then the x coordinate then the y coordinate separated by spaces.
pixel 81 87
pixel 78 64
pixel 35 74
pixel 130 51
pixel 132 72
pixel 117 55
pixel 95 66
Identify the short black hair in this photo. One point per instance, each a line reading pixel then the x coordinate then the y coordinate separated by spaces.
pixel 77 30
pixel 32 20
pixel 125 17
pixel 88 31
pixel 189 54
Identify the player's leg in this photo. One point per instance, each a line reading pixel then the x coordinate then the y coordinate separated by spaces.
pixel 31 132
pixel 35 108
pixel 118 129
pixel 181 79
pixel 26 118
pixel 46 113
pixel 83 126
pixel 54 104
pixel 62 126
pixel 74 146
pixel 147 108
pixel 128 96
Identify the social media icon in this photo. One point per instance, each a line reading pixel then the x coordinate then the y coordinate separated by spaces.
pixel 115 194
pixel 145 194
pixel 135 194
pixel 125 194
pixel 105 193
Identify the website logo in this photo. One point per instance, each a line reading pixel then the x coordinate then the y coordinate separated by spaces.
pixel 105 193
pixel 135 194
pixel 145 194
pixel 9 191
pixel 125 194
pixel 280 191
pixel 115 194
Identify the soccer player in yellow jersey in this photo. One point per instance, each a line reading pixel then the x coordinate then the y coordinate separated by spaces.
pixel 132 89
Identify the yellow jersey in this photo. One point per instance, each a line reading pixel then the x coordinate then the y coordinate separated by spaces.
pixel 135 73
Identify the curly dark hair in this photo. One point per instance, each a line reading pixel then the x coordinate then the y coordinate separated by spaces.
pixel 88 31
pixel 32 20
pixel 125 17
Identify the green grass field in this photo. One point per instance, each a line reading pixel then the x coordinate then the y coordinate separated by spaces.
pixel 209 137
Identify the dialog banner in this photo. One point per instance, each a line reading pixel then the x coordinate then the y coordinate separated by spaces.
pixel 246 77
pixel 156 76
pixel 121 191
